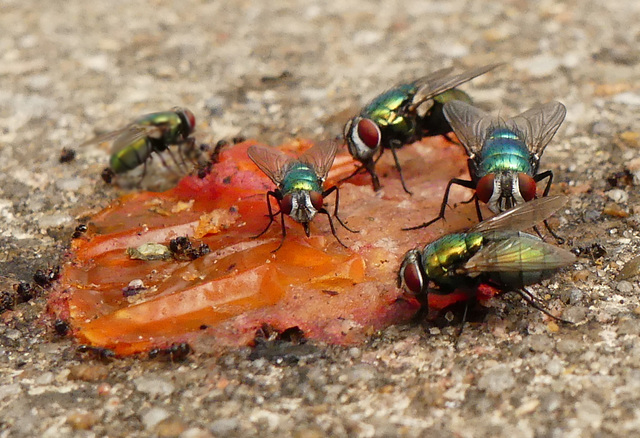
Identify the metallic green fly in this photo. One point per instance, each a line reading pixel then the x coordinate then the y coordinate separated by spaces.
pixel 152 133
pixel 299 192
pixel 405 114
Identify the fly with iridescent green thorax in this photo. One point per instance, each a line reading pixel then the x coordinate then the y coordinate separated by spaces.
pixel 152 133
pixel 402 115
pixel 504 155
pixel 299 184
pixel 494 252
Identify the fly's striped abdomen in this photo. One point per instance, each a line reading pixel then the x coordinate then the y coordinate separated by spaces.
pixel 132 156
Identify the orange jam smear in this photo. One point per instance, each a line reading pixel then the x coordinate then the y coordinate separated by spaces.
pixel 333 294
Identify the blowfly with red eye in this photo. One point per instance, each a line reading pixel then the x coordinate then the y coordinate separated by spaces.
pixel 504 155
pixel 402 115
pixel 299 182
pixel 151 133
pixel 492 256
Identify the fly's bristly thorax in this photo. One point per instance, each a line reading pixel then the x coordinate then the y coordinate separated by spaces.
pixel 441 257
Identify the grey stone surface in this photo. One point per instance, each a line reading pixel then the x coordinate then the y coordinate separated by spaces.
pixel 279 69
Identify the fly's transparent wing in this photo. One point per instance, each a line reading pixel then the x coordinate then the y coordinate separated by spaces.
pixel 539 125
pixel 321 157
pixel 523 216
pixel 272 162
pixel 519 253
pixel 130 137
pixel 440 81
pixel 126 136
pixel 469 123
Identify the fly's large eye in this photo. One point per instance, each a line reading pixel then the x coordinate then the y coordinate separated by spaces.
pixel 190 118
pixel 316 200
pixel 412 278
pixel 527 186
pixel 286 204
pixel 369 133
pixel 484 189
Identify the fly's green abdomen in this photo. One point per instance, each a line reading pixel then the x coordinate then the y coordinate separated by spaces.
pixel 526 253
pixel 300 177
pixel 453 94
pixel 504 151
pixel 443 256
pixel 131 156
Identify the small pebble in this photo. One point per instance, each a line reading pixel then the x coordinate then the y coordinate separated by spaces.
pixel 88 372
pixel 154 386
pixel 196 432
pixel 224 426
pixel 496 380
pixel 539 343
pixel 153 416
pixel 589 413
pixel 624 287
pixel 575 296
pixel 104 389
pixel 627 98
pixel 9 390
pixel 82 420
pixel 170 427
pixel 555 367
pixel 361 373
pixel 44 379
pixel 618 196
pixel 575 314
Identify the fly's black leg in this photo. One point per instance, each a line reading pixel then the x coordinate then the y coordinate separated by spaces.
pixel 549 176
pixel 478 210
pixel 445 199
pixel 470 200
pixel 144 172
pixel 369 167
pixel 284 232
pixel 333 228
pixel 335 210
pixel 533 302
pixel 175 161
pixel 164 163
pixel 271 215
pixel 358 170
pixel 449 139
pixel 464 319
pixel 190 152
pixel 395 158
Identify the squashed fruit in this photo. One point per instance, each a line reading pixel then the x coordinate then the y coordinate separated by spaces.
pixel 332 294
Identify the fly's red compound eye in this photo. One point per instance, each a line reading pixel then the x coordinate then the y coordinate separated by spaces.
pixel 316 200
pixel 412 278
pixel 527 186
pixel 369 133
pixel 286 204
pixel 191 119
pixel 484 189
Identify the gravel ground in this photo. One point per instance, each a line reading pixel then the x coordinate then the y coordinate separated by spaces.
pixel 280 69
